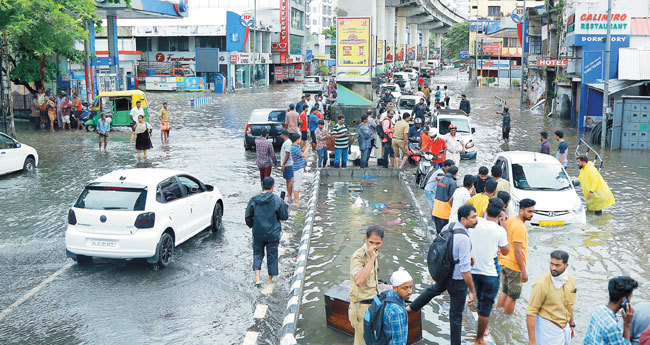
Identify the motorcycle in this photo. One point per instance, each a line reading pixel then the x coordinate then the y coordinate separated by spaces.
pixel 425 165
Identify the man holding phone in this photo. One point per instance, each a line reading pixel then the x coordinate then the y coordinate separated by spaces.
pixel 603 325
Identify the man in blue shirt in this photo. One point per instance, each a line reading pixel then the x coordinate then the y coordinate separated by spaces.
pixel 546 146
pixel 415 131
pixel 562 149
pixel 103 127
pixel 603 326
pixel 395 315
pixel 461 277
pixel 420 110
pixel 313 126
pixel 300 105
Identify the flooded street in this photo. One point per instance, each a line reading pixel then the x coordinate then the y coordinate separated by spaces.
pixel 207 295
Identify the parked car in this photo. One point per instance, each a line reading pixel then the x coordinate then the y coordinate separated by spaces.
pixel 118 105
pixel 314 84
pixel 117 215
pixel 395 90
pixel 402 79
pixel 15 156
pixel 406 103
pixel 411 72
pixel 541 177
pixel 271 119
pixel 445 117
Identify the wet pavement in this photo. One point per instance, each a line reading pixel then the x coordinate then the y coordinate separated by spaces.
pixel 207 295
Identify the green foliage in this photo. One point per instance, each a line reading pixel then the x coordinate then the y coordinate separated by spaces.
pixel 322 70
pixel 489 80
pixel 455 39
pixel 330 32
pixel 515 82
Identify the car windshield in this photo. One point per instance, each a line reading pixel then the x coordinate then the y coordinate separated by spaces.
pixel 398 76
pixel 462 125
pixel 311 79
pixel 538 176
pixel 391 87
pixel 112 198
pixel 408 103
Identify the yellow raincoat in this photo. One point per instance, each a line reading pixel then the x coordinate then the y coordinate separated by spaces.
pixel 591 181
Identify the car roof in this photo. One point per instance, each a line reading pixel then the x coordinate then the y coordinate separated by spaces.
pixel 120 93
pixel 261 115
pixel 142 176
pixel 447 112
pixel 410 96
pixel 314 76
pixel 529 157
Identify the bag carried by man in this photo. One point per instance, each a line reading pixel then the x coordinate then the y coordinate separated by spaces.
pixel 373 321
pixel 440 258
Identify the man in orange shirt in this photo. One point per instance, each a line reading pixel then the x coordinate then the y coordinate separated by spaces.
pixel 513 265
pixel 435 144
pixel 77 110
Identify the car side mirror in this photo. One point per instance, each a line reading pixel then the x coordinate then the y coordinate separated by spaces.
pixel 473 130
pixel 209 188
pixel 576 183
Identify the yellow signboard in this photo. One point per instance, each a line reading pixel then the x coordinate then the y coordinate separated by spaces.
pixel 353 46
pixel 380 52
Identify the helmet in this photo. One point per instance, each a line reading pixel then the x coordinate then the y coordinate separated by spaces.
pixel 452 126
pixel 433 133
pixel 418 121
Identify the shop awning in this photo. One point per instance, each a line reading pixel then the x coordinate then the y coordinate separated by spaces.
pixel 617 85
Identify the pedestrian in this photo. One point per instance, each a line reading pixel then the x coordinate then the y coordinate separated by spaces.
pixel 513 264
pixel 546 146
pixel 365 137
pixel 36 112
pixel 389 106
pixel 59 110
pixel 66 110
pixel 263 214
pixel 400 142
pixel 310 104
pixel 437 94
pixel 372 125
pixel 142 135
pixel 134 113
pixel 597 194
pixel 291 120
pixel 395 315
pixel 304 124
pixel 163 114
pixel 265 154
pixel 562 149
pixel 420 110
pixel 481 179
pixel 341 143
pixel 505 125
pixel 443 200
pixel 427 93
pixel 313 126
pixel 364 280
pixel 603 325
pixel 446 99
pixel 387 139
pixel 77 111
pixel 505 197
pixel 464 104
pixel 497 175
pixel 432 178
pixel 420 82
pixel 640 322
pixel 460 197
pixel 286 163
pixel 103 128
pixel 300 105
pixel 487 239
pixel 480 200
pixel 455 144
pixel 42 102
pixel 51 112
pixel 461 279
pixel 298 157
pixel 321 144
pixel 549 315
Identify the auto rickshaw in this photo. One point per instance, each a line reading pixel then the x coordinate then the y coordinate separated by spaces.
pixel 117 105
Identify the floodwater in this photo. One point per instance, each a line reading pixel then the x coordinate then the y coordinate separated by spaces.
pixel 205 296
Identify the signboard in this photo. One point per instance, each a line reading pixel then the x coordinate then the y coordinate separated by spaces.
pixel 207 60
pixel 182 57
pixel 353 52
pixel 297 71
pixel 411 52
pixel 244 59
pixel 544 32
pixel 277 71
pixel 463 54
pixel 309 55
pixel 234 58
pixel 552 63
pixel 236 32
pixel 480 25
pixel 190 83
pixel 247 20
pixel 593 21
pixel 491 48
pixel 380 52
pixel 400 53
pixel 283 45
pixel 518 14
pixel 389 53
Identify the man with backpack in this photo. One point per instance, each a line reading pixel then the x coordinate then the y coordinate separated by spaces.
pixel 386 321
pixel 450 265
pixel 385 132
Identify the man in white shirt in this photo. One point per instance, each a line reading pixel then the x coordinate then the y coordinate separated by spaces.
pixel 390 106
pixel 455 144
pixel 487 238
pixel 135 112
pixel 461 197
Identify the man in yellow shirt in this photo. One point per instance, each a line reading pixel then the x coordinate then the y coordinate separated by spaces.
pixel 363 280
pixel 480 201
pixel 513 265
pixel 400 139
pixel 164 122
pixel 497 175
pixel 594 187
pixel 549 315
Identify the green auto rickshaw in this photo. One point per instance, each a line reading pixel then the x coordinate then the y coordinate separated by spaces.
pixel 117 105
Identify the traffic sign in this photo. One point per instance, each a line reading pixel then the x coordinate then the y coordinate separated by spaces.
pixel 518 14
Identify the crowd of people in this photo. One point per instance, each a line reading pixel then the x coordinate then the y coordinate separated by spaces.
pixel 48 109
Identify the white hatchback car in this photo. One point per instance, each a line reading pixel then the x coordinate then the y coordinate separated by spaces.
pixel 117 216
pixel 542 178
pixel 15 156
pixel 314 84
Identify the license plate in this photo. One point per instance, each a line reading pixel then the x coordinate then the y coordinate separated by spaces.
pixel 103 243
pixel 551 223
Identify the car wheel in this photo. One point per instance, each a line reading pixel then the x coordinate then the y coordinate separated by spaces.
pixel 247 148
pixel 91 128
pixel 165 250
pixel 217 216
pixel 29 165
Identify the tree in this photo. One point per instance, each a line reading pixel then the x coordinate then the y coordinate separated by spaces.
pixel 322 70
pixel 455 39
pixel 331 31
pixel 37 32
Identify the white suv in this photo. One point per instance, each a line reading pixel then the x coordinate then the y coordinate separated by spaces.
pixel 446 117
pixel 314 84
pixel 140 213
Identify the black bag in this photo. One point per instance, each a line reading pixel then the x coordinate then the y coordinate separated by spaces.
pixel 440 259
pixel 380 129
pixel 373 321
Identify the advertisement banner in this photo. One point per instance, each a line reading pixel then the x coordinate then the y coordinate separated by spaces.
pixel 353 49
pixel 190 83
pixel 297 71
pixel 593 21
pixel 380 52
pixel 491 48
pixel 236 33
pixel 389 53
pixel 410 55
pixel 400 54
pixel 282 46
pixel 277 71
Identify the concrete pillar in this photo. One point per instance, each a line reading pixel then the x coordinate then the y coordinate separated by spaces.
pixel 414 37
pixel 112 47
pixel 401 30
pixel 425 44
pixel 390 29
pixel 381 19
pixel 438 41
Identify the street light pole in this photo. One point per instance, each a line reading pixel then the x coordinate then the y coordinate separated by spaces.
pixel 523 55
pixel 603 123
pixel 254 40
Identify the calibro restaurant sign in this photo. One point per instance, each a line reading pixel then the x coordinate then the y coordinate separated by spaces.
pixel 594 22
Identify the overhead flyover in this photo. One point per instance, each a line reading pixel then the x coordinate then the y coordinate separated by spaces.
pixel 430 15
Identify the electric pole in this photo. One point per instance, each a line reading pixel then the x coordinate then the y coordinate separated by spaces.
pixel 603 123
pixel 523 54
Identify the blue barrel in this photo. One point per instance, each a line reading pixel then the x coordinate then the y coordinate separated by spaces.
pixel 150 72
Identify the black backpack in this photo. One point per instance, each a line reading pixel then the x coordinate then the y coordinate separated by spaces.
pixel 440 258
pixel 380 129
pixel 373 321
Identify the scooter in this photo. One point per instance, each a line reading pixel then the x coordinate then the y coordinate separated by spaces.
pixel 425 165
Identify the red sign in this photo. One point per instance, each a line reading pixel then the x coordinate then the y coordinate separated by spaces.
pixel 492 48
pixel 284 30
pixel 233 59
pixel 278 73
pixel 552 63
pixel 278 47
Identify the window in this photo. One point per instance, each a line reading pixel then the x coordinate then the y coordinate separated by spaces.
pixel 295 43
pixel 504 168
pixel 143 44
pixel 112 198
pixel 123 104
pixel 314 21
pixel 207 42
pixel 494 11
pixel 324 21
pixel 510 42
pixel 173 44
pixel 169 190
pixel 462 126
pixel 540 177
pixel 535 45
pixel 6 143
pixel 191 185
pixel 297 19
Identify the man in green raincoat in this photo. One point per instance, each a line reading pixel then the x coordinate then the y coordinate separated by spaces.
pixel 594 187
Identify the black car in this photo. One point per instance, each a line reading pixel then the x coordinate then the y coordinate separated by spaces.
pixel 271 119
